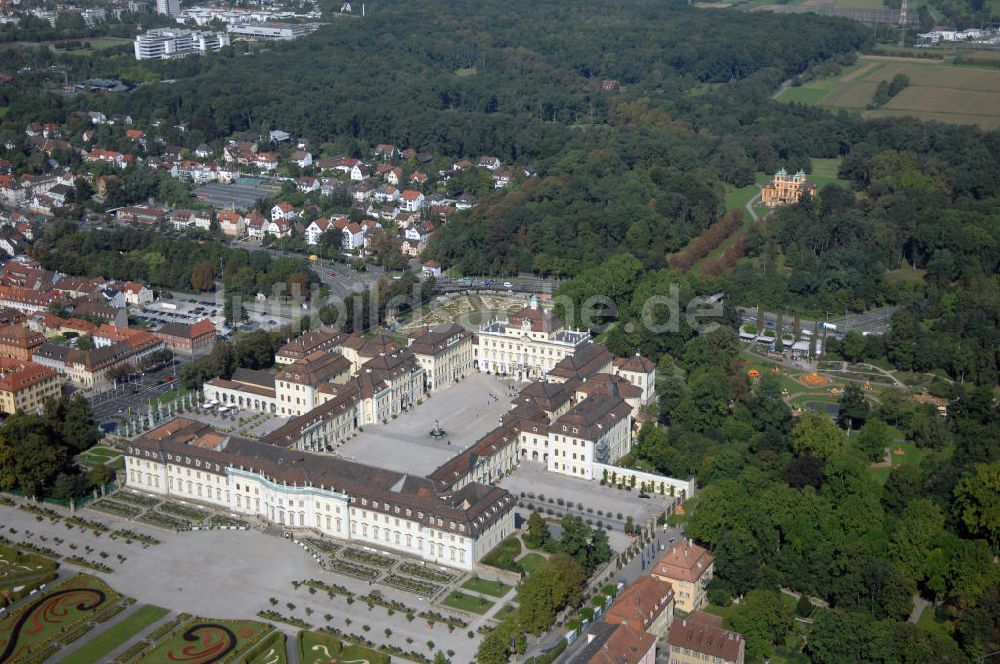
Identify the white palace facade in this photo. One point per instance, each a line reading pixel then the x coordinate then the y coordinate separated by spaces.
pixel 331 496
pixel 528 345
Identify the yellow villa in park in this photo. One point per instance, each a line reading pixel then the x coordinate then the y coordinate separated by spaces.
pixel 786 189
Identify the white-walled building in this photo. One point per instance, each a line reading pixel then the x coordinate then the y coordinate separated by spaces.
pixel 170 43
pixel 327 495
pixel 528 345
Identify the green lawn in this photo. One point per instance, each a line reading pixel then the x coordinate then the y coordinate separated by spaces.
pixel 22 570
pixel 530 561
pixel 912 456
pixel 272 650
pixel 317 648
pixel 248 635
pixel 119 633
pixel 486 587
pixel 505 611
pixel 931 626
pixel 461 601
pixel 824 172
pixel 724 611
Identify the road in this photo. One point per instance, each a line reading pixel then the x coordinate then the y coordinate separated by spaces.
pixel 519 284
pixel 106 405
pixel 341 279
pixel 875 321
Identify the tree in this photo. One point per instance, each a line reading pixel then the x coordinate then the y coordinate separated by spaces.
pixel 817 436
pixel 842 636
pixel 977 498
pixel 804 471
pixel 538 531
pixel 803 607
pixel 554 584
pixel 101 474
pixel 854 407
pixel 203 276
pixel 764 620
pixel 873 439
pixel 852 347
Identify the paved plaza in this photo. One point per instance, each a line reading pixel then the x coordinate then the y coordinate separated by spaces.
pixel 465 411
pixel 234 574
pixel 532 478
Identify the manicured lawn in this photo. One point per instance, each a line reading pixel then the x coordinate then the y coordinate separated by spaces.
pixel 58 610
pixel 116 635
pixel 463 602
pixel 217 641
pixel 317 648
pixel 724 611
pixel 504 554
pixel 24 571
pixel 824 172
pixel 272 650
pixel 530 561
pixel 486 587
pixel 505 611
pixel 931 626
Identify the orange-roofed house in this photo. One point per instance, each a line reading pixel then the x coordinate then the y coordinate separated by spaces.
pixel 188 339
pixel 608 643
pixel 700 638
pixel 18 342
pixel 646 605
pixel 136 294
pixel 689 568
pixel 24 386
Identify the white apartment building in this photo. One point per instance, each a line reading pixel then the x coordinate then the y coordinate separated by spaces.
pixel 170 43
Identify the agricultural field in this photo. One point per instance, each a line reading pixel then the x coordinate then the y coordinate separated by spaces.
pixel 939 90
pixel 316 648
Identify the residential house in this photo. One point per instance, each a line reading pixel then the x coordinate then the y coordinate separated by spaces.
pixel 283 210
pixel 18 342
pixel 25 386
pixel 231 223
pixel 700 638
pixel 190 339
pixel 489 163
pixel 431 268
pixel 411 201
pixel 353 236
pixel 645 606
pixel 302 158
pixel 266 161
pixel 386 152
pixel 137 294
pixel 307 183
pixel 689 568
pixel 607 643
pixel 280 228
pixel 203 151
pixel 256 225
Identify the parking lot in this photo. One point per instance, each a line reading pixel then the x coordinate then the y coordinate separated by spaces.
pixel 465 411
pixel 181 309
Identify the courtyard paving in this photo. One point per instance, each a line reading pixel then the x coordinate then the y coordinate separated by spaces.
pixel 234 574
pixel 465 411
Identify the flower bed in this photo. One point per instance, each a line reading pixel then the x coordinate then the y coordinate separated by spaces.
pixel 415 586
pixel 368 557
pixel 183 511
pixel 57 612
pixel 353 569
pixel 223 521
pixel 80 522
pixel 202 641
pixel 132 535
pixel 164 521
pixel 420 571
pixel 115 508
pixel 135 499
pixel 322 545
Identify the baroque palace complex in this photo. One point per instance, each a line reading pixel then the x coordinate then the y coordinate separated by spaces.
pixel 576 415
